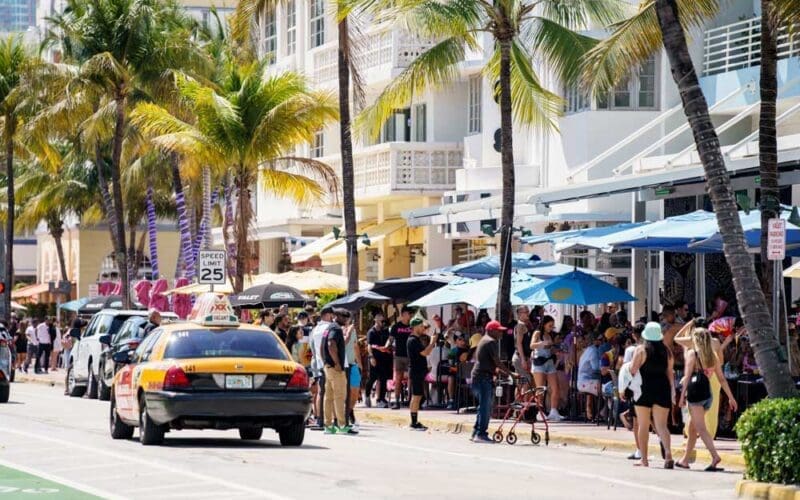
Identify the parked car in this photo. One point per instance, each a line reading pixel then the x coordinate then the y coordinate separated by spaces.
pixel 128 338
pixel 6 365
pixel 84 363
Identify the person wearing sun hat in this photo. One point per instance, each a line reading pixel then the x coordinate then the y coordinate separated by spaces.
pixel 654 362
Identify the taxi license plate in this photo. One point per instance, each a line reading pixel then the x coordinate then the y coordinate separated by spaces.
pixel 238 381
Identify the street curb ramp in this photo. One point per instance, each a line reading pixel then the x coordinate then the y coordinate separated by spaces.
pixel 731 460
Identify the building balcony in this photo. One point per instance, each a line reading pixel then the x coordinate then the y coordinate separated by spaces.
pixel 403 168
pixel 382 52
pixel 738 45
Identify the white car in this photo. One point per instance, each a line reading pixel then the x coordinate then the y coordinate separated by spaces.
pixel 84 362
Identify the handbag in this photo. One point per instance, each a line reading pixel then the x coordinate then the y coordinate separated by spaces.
pixel 699 388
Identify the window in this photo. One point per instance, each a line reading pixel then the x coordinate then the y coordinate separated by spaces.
pixel 475 85
pixel 317 23
pixel 637 92
pixel 270 36
pixel 420 123
pixel 318 146
pixel 398 127
pixel 233 343
pixel 291 27
pixel 146 348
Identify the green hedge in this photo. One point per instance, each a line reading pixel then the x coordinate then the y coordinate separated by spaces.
pixel 770 435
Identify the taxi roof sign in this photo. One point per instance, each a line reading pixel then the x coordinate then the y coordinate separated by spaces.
pixel 213 309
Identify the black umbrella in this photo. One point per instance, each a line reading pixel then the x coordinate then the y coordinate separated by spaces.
pixel 105 302
pixel 269 295
pixel 410 289
pixel 358 300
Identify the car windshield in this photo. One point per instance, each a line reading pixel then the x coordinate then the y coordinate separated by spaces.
pixel 232 343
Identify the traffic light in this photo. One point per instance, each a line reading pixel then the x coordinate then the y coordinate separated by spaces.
pixel 2 287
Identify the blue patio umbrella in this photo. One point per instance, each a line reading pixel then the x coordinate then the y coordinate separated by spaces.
pixel 593 232
pixel 481 294
pixel 488 267
pixel 74 305
pixel 575 288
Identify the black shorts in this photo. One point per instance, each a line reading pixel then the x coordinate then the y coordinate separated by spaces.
pixel 417 384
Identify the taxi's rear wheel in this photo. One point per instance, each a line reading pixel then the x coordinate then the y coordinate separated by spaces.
pixel 250 433
pixel 119 429
pixel 150 433
pixel 292 435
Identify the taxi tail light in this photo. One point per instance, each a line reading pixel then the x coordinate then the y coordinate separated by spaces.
pixel 176 379
pixel 299 379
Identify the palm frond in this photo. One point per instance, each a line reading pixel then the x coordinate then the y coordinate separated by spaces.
pixel 298 188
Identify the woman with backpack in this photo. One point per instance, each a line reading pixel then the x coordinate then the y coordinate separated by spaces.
pixel 701 363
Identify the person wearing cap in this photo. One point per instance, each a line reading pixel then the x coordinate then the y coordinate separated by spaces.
pixel 333 351
pixel 418 366
pixel 487 364
pixel 398 338
pixel 318 364
pixel 653 360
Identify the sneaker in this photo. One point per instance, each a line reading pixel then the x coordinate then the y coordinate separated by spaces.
pixel 353 430
pixel 635 456
pixel 344 430
pixel 554 416
pixel 381 404
pixel 418 427
pixel 451 405
pixel 483 440
pixel 331 430
pixel 396 406
pixel 368 402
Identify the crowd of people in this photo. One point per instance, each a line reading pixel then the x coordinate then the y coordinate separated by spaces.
pixel 43 343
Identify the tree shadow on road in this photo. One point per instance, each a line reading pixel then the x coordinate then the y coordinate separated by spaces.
pixel 231 443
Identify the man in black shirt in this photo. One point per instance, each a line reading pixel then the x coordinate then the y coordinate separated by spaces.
pixel 418 366
pixel 380 361
pixel 153 322
pixel 335 377
pixel 487 363
pixel 282 324
pixel 399 334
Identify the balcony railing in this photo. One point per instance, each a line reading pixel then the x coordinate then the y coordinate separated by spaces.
pixel 738 45
pixel 404 167
pixel 377 48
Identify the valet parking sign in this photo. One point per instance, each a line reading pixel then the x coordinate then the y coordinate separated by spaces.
pixel 212 267
pixel 776 239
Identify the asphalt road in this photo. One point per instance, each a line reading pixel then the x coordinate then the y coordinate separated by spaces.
pixel 66 441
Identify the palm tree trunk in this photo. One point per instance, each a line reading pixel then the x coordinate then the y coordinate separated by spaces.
pixel 752 304
pixel 767 139
pixel 205 224
pixel 116 187
pixel 348 183
pixel 106 203
pixel 57 232
pixel 9 284
pixel 243 216
pixel 227 226
pixel 183 219
pixel 133 268
pixel 152 231
pixel 507 166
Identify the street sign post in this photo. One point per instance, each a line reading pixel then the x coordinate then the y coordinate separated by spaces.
pixel 776 252
pixel 212 268
pixel 94 290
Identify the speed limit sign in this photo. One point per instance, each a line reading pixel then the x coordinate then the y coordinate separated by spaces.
pixel 212 267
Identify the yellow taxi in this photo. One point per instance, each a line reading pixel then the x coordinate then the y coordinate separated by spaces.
pixel 210 373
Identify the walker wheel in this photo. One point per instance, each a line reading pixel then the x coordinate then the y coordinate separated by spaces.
pixel 511 438
pixel 498 437
pixel 536 438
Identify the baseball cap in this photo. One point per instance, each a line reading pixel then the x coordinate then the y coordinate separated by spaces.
pixel 326 310
pixel 416 320
pixel 495 325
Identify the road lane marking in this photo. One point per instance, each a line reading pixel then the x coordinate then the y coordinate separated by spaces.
pixel 150 463
pixel 558 470
pixel 62 480
pixel 148 489
pixel 78 468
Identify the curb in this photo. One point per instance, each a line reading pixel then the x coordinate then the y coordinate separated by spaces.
pixel 21 377
pixel 732 460
pixel 769 491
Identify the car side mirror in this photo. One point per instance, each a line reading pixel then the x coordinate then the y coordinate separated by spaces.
pixel 105 339
pixel 122 357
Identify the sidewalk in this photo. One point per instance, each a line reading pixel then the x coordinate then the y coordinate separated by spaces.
pixel 53 378
pixel 561 433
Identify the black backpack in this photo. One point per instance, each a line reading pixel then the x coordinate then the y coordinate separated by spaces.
pixel 699 388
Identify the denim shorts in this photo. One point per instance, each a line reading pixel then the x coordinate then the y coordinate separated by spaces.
pixel 547 368
pixel 706 403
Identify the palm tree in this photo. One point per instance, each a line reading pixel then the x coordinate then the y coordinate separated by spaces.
pixel 124 48
pixel 658 22
pixel 50 194
pixel 752 303
pixel 248 128
pixel 520 30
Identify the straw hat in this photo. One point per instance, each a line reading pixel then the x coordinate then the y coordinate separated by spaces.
pixel 473 341
pixel 652 332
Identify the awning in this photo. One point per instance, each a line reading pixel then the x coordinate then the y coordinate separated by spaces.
pixel 30 291
pixel 310 282
pixel 313 249
pixel 337 253
pixel 196 289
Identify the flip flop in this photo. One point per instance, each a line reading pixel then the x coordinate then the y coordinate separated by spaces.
pixel 669 464
pixel 640 464
pixel 713 468
pixel 681 466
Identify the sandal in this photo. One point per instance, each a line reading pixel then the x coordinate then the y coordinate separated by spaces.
pixel 669 464
pixel 713 468
pixel 681 466
pixel 641 464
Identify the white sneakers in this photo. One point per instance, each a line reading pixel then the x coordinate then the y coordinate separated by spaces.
pixel 554 415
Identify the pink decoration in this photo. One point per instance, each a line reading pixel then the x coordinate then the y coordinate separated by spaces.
pixel 723 326
pixel 181 302
pixel 157 298
pixel 104 288
pixel 117 290
pixel 142 289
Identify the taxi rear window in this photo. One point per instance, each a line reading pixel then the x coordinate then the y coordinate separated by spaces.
pixel 233 343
